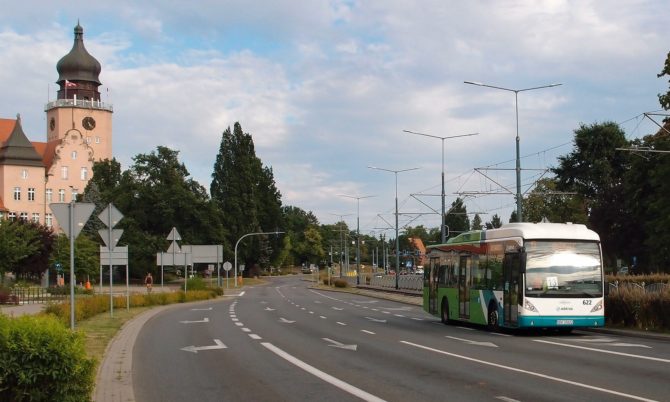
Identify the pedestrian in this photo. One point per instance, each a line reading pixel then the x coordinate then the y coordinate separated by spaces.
pixel 149 281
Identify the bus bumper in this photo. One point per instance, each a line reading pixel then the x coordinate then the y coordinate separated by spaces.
pixel 561 321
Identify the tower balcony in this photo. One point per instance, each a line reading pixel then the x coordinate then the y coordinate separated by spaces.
pixel 84 104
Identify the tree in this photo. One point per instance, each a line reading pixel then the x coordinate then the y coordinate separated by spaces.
pixel 494 223
pixel 476 223
pixel 457 218
pixel 664 99
pixel 86 256
pixel 595 170
pixel 37 263
pixel 18 241
pixel 545 202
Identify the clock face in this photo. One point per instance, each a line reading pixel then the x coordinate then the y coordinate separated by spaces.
pixel 88 123
pixel 52 124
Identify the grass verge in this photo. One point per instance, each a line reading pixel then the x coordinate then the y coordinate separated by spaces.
pixel 100 329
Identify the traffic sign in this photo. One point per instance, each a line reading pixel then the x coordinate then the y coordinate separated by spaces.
pixel 82 211
pixel 116 235
pixel 241 267
pixel 227 266
pixel 174 235
pixel 112 212
pixel 174 248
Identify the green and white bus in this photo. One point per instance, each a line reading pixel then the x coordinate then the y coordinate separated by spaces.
pixel 521 275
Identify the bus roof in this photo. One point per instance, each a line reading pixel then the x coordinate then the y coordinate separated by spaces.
pixel 567 231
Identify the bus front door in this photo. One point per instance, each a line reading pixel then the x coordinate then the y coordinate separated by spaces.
pixel 512 275
pixel 463 286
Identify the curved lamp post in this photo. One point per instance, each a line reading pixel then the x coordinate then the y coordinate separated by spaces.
pixel 240 239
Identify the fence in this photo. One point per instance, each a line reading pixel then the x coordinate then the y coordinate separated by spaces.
pixel 29 295
pixel 412 283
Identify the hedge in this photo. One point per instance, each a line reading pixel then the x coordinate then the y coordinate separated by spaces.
pixel 633 307
pixel 42 360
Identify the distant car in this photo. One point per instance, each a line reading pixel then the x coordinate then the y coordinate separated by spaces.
pixel 623 271
pixel 306 270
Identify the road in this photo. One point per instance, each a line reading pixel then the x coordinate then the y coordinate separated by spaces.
pixel 286 342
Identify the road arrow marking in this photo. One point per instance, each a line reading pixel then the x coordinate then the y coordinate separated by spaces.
pixel 195 349
pixel 489 344
pixel 269 309
pixel 202 309
pixel 340 345
pixel 375 319
pixel 193 322
pixel 285 321
pixel 632 345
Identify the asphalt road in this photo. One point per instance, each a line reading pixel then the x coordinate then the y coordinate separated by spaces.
pixel 286 342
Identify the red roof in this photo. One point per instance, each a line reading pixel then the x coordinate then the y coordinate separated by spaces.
pixel 6 127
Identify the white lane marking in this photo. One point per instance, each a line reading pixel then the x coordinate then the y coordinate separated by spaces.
pixel 324 376
pixel 547 377
pixel 386 312
pixel 417 319
pixel 246 330
pixel 499 334
pixel 285 321
pixel 194 349
pixel 202 309
pixel 399 315
pixel 324 317
pixel 506 399
pixel 367 332
pixel 269 309
pixel 254 336
pixel 241 294
pixel 375 319
pixel 239 324
pixel 375 309
pixel 656 359
pixel 337 308
pixel 466 328
pixel 311 312
pixel 489 344
pixel 235 319
pixel 317 301
pixel 193 322
pixel 341 323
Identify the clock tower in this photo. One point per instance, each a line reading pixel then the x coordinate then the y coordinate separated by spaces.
pixel 78 109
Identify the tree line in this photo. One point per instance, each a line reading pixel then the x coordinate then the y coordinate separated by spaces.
pixel 622 195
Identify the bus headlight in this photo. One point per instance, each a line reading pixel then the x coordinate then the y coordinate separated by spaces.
pixel 529 306
pixel 597 307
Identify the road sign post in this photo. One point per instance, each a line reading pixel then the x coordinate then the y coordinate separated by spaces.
pixel 110 216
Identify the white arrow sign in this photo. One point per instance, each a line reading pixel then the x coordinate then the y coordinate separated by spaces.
pixel 340 345
pixel 195 349
pixel 285 321
pixel 375 319
pixel 193 322
pixel 488 344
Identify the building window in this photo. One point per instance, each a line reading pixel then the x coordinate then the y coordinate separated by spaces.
pixel 24 216
pixel 63 172
pixel 74 155
pixel 49 194
pixel 12 216
pixel 97 140
pixel 49 220
pixel 84 173
pixel 17 193
pixel 31 194
pixel 74 194
pixel 61 195
pixel 24 173
pixel 88 140
pixel 36 217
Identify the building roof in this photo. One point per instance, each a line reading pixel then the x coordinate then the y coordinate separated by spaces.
pixel 48 151
pixel 78 65
pixel 18 150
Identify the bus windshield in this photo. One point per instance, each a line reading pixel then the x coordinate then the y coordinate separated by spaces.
pixel 563 269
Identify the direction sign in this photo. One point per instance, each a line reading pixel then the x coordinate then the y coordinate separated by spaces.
pixel 82 211
pixel 227 266
pixel 119 256
pixel 116 235
pixel 112 212
pixel 241 267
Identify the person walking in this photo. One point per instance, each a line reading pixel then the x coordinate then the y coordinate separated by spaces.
pixel 149 281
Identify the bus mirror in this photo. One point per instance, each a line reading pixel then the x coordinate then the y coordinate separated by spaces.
pixel 522 261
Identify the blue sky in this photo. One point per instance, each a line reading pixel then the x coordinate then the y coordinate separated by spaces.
pixel 326 88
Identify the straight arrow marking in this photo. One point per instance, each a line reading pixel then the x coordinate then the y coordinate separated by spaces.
pixel 195 349
pixel 340 345
pixel 193 322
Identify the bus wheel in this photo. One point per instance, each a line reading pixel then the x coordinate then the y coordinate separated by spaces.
pixel 493 318
pixel 445 312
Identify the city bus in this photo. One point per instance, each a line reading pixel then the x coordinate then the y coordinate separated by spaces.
pixel 521 275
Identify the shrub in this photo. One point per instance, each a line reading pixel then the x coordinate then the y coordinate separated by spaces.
pixel 42 360
pixel 196 283
pixel 327 281
pixel 633 307
pixel 340 283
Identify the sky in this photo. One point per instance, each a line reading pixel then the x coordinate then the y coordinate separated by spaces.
pixel 327 88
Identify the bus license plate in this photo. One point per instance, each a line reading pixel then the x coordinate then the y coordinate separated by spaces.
pixel 564 322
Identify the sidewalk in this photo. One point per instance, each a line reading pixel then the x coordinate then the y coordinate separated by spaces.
pixel 12 310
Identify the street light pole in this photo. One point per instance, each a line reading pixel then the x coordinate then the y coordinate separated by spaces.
pixel 442 225
pixel 358 232
pixel 238 242
pixel 397 239
pixel 519 198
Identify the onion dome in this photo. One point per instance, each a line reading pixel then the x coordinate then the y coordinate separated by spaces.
pixel 78 66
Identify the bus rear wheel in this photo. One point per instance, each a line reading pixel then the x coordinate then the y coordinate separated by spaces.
pixel 445 312
pixel 493 318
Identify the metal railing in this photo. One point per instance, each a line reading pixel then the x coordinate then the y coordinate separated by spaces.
pixel 79 103
pixel 31 295
pixel 647 288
